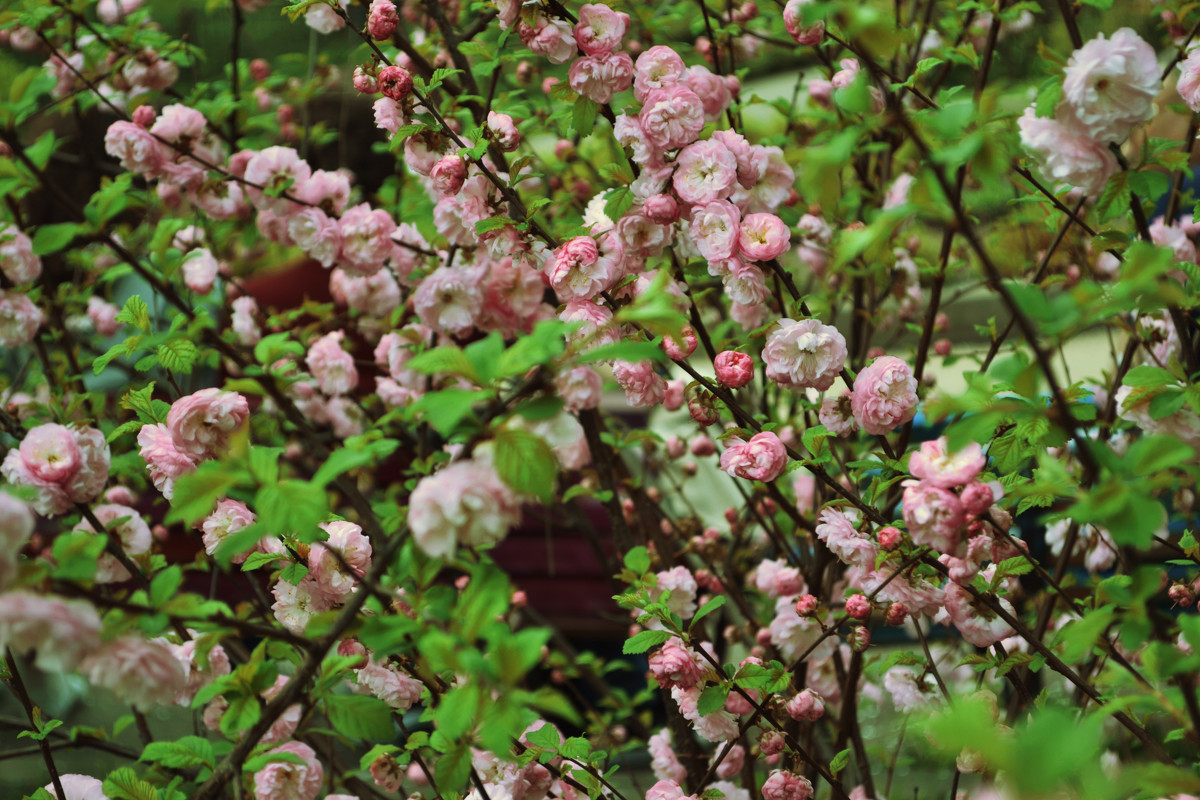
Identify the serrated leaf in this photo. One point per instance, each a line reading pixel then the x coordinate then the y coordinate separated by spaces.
pixel 136 313
pixel 525 463
pixel 643 641
pixel 360 716
pixel 712 699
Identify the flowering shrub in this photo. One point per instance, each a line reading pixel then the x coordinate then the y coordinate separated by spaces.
pixel 605 289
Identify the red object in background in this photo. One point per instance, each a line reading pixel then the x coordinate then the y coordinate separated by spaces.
pixel 550 559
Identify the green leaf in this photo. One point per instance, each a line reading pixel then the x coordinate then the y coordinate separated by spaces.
pixel 440 360
pixel 75 555
pixel 712 699
pixel 540 347
pixel 178 355
pixel 348 458
pixel 583 119
pixel 136 313
pixel 197 492
pixel 446 409
pixel 124 784
pixel 629 350
pixel 638 560
pixel 1079 636
pixel 643 641
pixel 264 464
pixel 185 753
pixel 256 560
pixel 1146 375
pixel 292 506
pixel 165 584
pixel 525 463
pixel 458 711
pixel 275 346
pixel 709 607
pixel 453 768
pixel 52 238
pixel 360 716
pixel 839 762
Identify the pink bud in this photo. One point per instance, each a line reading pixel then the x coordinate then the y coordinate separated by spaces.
pixel 941 322
pixel 858 606
pixel 677 350
pixel 564 149
pixel 896 614
pixel 807 705
pixel 702 446
pixel 382 20
pixel 676 447
pixel 806 605
pixel 661 209
pixel 395 82
pixel 365 81
pixel 889 537
pixel 1181 595
pixel 143 116
pixel 673 396
pixel 448 174
pixel 734 369
pixel 977 498
pixel 548 84
pixel 260 69
pixel 519 600
pixel 860 639
pixel 771 743
pixel 461 582
pixel 942 347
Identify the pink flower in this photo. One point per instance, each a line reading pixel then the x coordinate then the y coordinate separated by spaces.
pixel 1066 153
pixel 332 366
pixel 143 673
pixel 666 790
pixel 366 239
pixel 133 533
pixel 463 503
pixel 1109 85
pixel 382 20
pixel 553 39
pixel 137 150
pixel 395 82
pixel 18 262
pixel 934 516
pixel 504 131
pixel 804 354
pixel 277 168
pixel 230 517
pixel 763 458
pixel 705 171
pixel 112 12
pixel 600 29
pixel 680 586
pixel 164 458
pixel 719 726
pixel 837 415
pixel 60 632
pixel 807 705
pixel 316 233
pixel 323 19
pixel 1189 80
pixel 601 76
pixel 103 315
pixel 782 785
pixel 643 386
pixel 580 388
pixel 448 174
pixel 978 624
pixel 386 773
pixel 672 117
pixel 65 465
pixel 19 319
pixel 836 529
pixel 885 395
pixel 374 295
pixel 16 526
pixel 198 672
pixel 734 369
pixel 575 271
pixel 933 465
pixel 763 237
pixel 328 190
pixel 714 229
pixel 286 780
pixel 449 300
pixel 657 68
pixel 793 20
pixel 200 270
pixel 387 682
pixel 79 787
pixel 346 539
pixel 674 665
pixel 664 763
pixel 202 423
pixel 712 90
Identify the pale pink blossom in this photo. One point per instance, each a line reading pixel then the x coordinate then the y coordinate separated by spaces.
pixel 705 171
pixel 449 300
pixel 103 315
pixel 1109 85
pixel 322 19
pixel 642 385
pixel 793 21
pixel 1066 153
pixel 19 319
pixel 762 458
pixel 599 77
pixel 553 39
pixel 837 530
pixel 713 91
pixel 885 395
pixel 763 237
pixel 1174 238
pixel 680 586
pixel 389 683
pixel 375 295
pixel 132 532
pixel 202 423
pixel 111 12
pixel 276 168
pixel 165 460
pixel 564 434
pixel 448 174
pixel 657 68
pixel 672 117
pixel 719 726
pixel 389 116
pixel 937 467
pixel 600 29
pixel 665 790
pixel 745 285
pixel 978 624
pixel 145 70
pixel 65 466
pixel 1189 80
pixel 286 780
pixel 504 131
pixel 465 503
pixel 316 233
pixel 16 526
pixel 200 270
pixel 59 632
pixel 295 604
pixel 366 239
pixel 345 416
pixel 332 366
pixel 807 705
pixel 628 132
pixel 78 787
pixel 143 673
pixel 934 516
pixel 664 763
pixel 641 237
pixel 837 415
pixel 229 517
pixel 512 296
pixel 804 354
pixel 575 270
pixel 332 578
pixel 908 691
pixel 783 785
pixel 18 262
pixel 675 665
pixel 580 388
pixel 135 147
